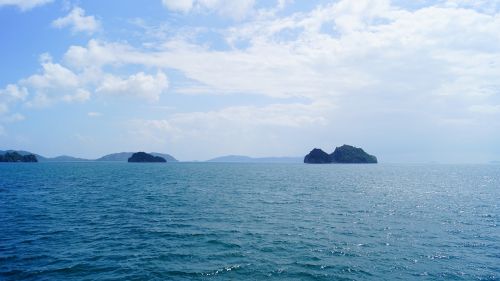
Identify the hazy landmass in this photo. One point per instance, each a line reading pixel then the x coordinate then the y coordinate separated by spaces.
pixel 247 159
pixel 115 157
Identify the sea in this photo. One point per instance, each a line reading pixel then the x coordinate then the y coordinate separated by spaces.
pixel 229 221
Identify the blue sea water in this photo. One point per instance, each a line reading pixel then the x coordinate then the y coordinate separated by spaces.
pixel 212 221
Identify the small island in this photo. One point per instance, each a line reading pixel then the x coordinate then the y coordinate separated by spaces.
pixel 16 157
pixel 345 154
pixel 143 157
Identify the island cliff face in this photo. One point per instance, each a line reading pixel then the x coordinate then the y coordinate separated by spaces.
pixel 143 157
pixel 343 154
pixel 16 157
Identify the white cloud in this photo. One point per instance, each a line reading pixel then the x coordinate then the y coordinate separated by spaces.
pixel 13 92
pixel 24 4
pixel 98 53
pixel 81 95
pixel 74 82
pixel 357 15
pixel 11 95
pixel 55 82
pixel 53 76
pixel 280 72
pixel 78 22
pixel 140 85
pixel 39 100
pixel 178 5
pixel 236 9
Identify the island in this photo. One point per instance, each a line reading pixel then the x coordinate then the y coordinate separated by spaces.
pixel 16 157
pixel 345 154
pixel 143 157
pixel 124 156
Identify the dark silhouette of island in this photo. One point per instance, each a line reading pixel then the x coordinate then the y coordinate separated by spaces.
pixel 345 154
pixel 124 156
pixel 143 157
pixel 16 157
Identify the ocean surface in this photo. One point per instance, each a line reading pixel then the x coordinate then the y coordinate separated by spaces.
pixel 214 221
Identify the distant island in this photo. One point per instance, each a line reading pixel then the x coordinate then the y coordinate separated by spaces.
pixel 345 154
pixel 16 157
pixel 124 156
pixel 114 157
pixel 143 157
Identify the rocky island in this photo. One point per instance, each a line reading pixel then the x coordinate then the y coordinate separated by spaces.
pixel 143 157
pixel 317 156
pixel 16 157
pixel 343 154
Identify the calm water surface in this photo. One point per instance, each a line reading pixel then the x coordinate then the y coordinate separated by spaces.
pixel 209 221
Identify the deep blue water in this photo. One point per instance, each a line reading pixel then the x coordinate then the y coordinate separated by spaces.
pixel 209 221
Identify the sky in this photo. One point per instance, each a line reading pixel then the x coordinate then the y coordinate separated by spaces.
pixel 407 80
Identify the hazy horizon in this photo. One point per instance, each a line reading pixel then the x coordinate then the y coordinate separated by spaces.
pixel 380 161
pixel 407 81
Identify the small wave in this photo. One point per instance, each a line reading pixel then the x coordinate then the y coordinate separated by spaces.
pixel 222 270
pixel 224 244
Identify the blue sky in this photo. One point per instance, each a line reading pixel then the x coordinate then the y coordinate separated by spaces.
pixel 409 81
